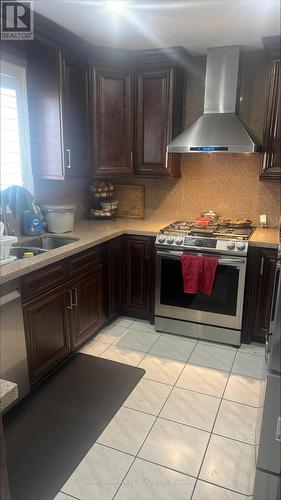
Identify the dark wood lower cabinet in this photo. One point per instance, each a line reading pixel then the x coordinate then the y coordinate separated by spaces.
pixel 138 276
pixel 47 331
pixel 114 270
pixel 261 267
pixel 87 306
pixel 60 318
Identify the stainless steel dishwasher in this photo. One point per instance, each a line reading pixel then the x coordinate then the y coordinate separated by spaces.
pixel 13 357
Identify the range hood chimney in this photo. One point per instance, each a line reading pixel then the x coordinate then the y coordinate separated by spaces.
pixel 219 129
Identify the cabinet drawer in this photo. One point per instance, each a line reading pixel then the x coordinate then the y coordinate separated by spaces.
pixel 83 262
pixel 42 280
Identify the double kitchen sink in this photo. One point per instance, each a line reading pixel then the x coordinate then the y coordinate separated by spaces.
pixel 40 245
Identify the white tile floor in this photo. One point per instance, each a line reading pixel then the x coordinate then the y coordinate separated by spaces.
pixel 187 431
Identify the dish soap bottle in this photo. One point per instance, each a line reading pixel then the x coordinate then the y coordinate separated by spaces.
pixel 32 223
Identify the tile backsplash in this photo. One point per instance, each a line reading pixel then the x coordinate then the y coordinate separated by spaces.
pixel 64 191
pixel 226 183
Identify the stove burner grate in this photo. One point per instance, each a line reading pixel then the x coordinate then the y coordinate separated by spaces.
pixel 210 231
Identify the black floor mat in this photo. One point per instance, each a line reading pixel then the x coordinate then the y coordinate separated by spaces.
pixel 50 432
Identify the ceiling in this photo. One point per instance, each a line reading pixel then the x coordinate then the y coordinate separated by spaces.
pixel 143 24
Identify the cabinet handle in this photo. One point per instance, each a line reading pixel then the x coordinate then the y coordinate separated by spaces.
pixel 166 161
pixel 131 158
pixel 278 430
pixel 68 164
pixel 75 304
pixel 70 304
pixel 147 253
pixel 262 264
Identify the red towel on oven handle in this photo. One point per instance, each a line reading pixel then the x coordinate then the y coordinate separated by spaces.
pixel 207 276
pixel 191 272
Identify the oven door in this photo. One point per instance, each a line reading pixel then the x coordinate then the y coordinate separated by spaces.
pixel 222 308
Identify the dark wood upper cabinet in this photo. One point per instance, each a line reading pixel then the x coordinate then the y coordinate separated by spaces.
pixel 57 97
pixel 73 77
pixel 112 121
pixel 271 159
pixel 136 109
pixel 45 120
pixel 155 120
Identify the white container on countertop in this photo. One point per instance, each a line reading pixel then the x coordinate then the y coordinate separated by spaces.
pixel 59 217
pixel 5 244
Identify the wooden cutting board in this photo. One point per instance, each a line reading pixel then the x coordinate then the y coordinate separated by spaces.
pixel 131 201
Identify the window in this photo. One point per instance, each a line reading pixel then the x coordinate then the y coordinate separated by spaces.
pixel 15 167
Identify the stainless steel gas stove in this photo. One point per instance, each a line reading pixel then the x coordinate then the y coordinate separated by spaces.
pixel 214 237
pixel 217 317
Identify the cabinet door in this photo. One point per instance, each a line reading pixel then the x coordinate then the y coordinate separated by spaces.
pixel 47 332
pixel 75 116
pixel 45 120
pixel 112 122
pixel 261 266
pixel 115 276
pixel 267 268
pixel 154 97
pixel 138 283
pixel 271 161
pixel 154 120
pixel 87 306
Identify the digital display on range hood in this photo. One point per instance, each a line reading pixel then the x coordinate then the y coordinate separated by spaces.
pixel 209 148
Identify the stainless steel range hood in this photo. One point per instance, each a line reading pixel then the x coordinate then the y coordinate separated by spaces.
pixel 219 128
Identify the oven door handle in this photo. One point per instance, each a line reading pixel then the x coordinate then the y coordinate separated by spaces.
pixel 170 252
pixel 174 253
pixel 232 261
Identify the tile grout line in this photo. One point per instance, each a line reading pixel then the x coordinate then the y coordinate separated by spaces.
pixel 215 419
pixel 135 457
pixel 115 449
pixel 158 414
pixel 66 494
pixel 225 437
pixel 172 387
pixel 170 359
pixel 224 488
pixel 160 335
pixel 130 348
pixel 156 418
pixel 163 467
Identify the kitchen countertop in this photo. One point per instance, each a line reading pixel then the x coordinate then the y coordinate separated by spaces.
pixel 8 393
pixel 91 233
pixel 265 237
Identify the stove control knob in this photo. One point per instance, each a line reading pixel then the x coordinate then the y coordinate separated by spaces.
pixel 241 245
pixel 230 245
pixel 161 238
pixel 170 240
pixel 198 243
pixel 179 240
